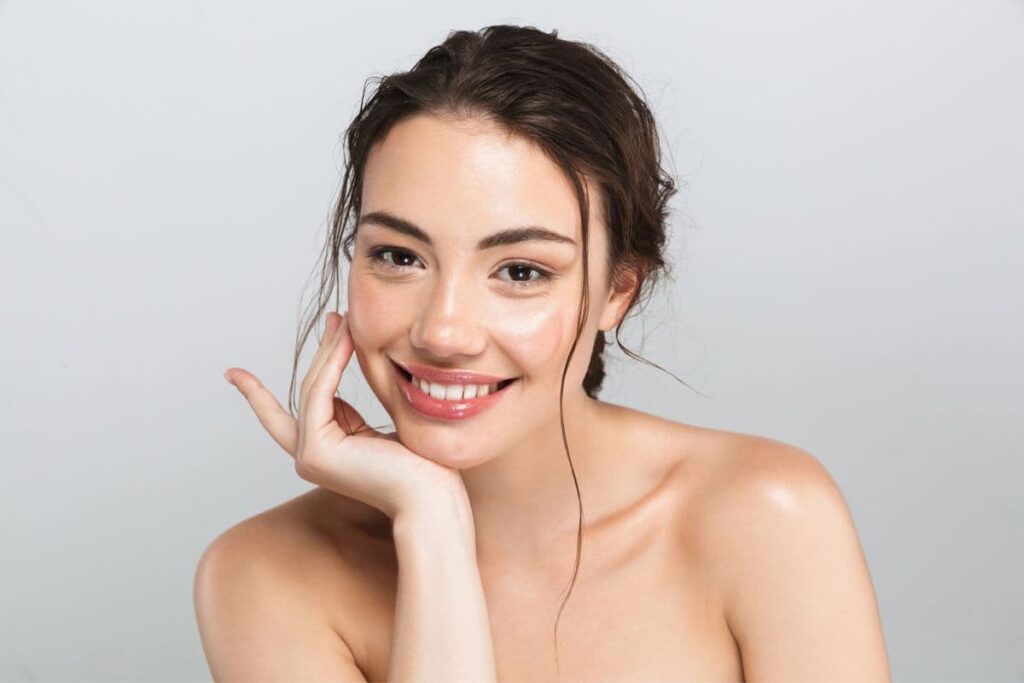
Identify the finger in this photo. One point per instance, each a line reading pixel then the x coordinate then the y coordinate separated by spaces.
pixel 321 407
pixel 326 344
pixel 281 426
pixel 350 420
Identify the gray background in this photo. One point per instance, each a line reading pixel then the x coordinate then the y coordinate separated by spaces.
pixel 845 247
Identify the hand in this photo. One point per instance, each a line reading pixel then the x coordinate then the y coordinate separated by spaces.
pixel 334 447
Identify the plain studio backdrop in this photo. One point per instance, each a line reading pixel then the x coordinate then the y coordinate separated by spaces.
pixel 847 243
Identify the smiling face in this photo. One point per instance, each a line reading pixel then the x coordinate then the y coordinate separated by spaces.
pixel 427 287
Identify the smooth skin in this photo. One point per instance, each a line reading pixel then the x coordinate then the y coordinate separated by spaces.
pixel 442 628
pixel 707 555
pixel 331 443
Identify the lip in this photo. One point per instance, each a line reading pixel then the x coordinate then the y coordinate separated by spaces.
pixel 442 376
pixel 442 409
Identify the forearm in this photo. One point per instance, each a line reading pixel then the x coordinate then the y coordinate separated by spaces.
pixel 441 627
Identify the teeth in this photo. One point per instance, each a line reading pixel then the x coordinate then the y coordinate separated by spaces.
pixel 453 392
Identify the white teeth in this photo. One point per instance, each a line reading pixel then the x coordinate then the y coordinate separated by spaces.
pixel 453 392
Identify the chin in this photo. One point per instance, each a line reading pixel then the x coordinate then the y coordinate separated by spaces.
pixel 451 452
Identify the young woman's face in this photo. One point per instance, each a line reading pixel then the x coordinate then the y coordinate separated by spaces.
pixel 507 310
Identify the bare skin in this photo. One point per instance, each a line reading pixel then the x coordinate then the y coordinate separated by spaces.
pixel 656 596
pixel 644 606
pixel 707 555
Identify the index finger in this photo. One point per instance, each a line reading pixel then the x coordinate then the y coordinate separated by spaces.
pixel 278 422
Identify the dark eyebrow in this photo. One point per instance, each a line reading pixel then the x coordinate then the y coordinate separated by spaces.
pixel 524 233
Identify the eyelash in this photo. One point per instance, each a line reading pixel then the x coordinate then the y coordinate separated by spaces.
pixel 377 253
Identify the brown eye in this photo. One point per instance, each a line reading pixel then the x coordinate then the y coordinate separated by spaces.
pixel 400 260
pixel 524 269
pixel 397 260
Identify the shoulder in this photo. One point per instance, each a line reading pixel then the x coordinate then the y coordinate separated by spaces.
pixel 279 575
pixel 748 473
pixel 756 496
pixel 276 552
pixel 268 544
pixel 261 597
pixel 737 484
pixel 780 543
pixel 319 526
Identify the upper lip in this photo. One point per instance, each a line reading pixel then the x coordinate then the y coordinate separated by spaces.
pixel 443 376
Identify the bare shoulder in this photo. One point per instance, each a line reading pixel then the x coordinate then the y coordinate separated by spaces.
pixel 750 470
pixel 291 542
pixel 709 463
pixel 314 542
pixel 780 543
pixel 289 578
pixel 748 486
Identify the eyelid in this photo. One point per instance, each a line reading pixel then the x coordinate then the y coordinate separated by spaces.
pixel 544 275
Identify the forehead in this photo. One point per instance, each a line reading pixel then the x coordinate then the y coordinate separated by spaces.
pixel 469 178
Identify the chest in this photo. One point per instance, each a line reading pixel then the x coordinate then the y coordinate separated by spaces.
pixel 640 609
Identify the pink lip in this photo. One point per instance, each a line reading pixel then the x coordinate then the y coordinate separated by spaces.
pixel 447 410
pixel 448 376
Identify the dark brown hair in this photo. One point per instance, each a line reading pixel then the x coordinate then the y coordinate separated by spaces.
pixel 579 107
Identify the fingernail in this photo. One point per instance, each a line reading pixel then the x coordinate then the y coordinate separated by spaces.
pixel 228 378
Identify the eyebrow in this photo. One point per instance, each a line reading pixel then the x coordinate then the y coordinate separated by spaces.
pixel 526 233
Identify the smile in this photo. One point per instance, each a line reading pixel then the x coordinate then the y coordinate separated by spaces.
pixel 448 401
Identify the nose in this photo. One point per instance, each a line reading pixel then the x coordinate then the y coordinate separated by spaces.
pixel 449 322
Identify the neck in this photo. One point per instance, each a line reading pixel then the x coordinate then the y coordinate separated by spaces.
pixel 524 501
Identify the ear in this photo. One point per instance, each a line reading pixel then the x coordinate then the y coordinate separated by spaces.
pixel 624 284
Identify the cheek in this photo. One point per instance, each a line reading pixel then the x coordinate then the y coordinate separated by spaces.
pixel 374 312
pixel 539 340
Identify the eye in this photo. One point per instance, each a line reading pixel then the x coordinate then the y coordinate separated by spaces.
pixel 377 255
pixel 399 257
pixel 542 275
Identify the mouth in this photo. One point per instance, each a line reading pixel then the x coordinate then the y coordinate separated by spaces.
pixel 442 402
pixel 409 377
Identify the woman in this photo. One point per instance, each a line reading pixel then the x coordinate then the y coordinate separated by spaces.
pixel 508 208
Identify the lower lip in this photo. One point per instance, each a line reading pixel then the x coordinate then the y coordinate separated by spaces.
pixel 446 410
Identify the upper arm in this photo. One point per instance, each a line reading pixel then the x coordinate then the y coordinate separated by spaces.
pixel 257 623
pixel 796 587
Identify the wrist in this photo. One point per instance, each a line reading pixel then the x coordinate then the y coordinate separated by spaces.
pixel 443 515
